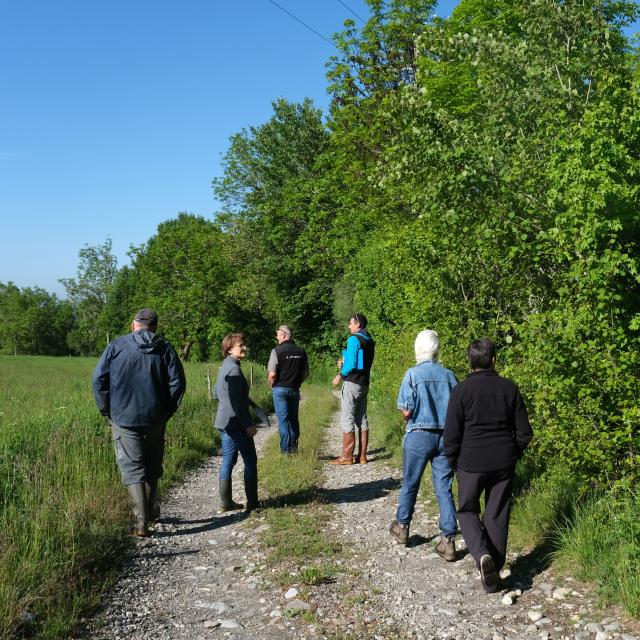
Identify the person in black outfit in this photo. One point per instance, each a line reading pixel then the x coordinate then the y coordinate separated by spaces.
pixel 486 431
pixel 288 367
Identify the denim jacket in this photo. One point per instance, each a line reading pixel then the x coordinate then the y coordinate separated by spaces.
pixel 425 391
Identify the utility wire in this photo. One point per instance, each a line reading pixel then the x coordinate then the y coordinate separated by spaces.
pixel 302 23
pixel 351 10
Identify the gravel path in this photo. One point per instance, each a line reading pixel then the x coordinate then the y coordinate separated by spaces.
pixel 204 575
pixel 198 576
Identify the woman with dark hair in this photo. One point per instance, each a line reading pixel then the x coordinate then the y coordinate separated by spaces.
pixel 235 424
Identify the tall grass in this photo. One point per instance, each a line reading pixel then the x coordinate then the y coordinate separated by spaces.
pixel 298 513
pixel 63 512
pixel 602 545
pixel 288 477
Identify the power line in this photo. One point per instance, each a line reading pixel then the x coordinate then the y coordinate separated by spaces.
pixel 351 10
pixel 303 23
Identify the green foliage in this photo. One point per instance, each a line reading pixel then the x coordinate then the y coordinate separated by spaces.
pixel 87 293
pixel 33 321
pixel 603 546
pixel 183 272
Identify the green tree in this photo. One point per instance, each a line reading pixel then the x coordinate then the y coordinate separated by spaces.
pixel 267 192
pixel 33 321
pixel 183 272
pixel 88 293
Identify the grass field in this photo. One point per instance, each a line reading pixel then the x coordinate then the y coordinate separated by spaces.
pixel 63 512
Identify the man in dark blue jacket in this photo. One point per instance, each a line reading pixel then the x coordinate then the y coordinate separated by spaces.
pixel 138 385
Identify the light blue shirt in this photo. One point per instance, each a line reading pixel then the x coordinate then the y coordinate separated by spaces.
pixel 425 391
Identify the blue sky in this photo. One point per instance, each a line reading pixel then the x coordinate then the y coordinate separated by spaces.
pixel 114 115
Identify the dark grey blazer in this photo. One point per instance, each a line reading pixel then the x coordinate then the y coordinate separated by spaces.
pixel 232 392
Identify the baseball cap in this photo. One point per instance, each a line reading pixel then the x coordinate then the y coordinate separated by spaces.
pixel 146 316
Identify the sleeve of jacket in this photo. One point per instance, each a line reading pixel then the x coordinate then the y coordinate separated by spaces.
pixel 523 433
pixel 406 395
pixel 177 380
pixel 101 383
pixel 350 361
pixel 453 429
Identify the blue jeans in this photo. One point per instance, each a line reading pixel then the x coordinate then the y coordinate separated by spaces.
pixel 418 448
pixel 285 403
pixel 232 443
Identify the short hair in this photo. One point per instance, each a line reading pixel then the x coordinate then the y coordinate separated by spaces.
pixel 230 341
pixel 481 353
pixel 360 319
pixel 285 329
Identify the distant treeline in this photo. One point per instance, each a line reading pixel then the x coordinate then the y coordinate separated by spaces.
pixel 478 175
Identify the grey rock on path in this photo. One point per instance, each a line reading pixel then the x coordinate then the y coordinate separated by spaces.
pixel 417 592
pixel 199 575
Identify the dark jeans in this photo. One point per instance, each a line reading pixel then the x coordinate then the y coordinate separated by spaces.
pixel 139 452
pixel 489 535
pixel 234 442
pixel 285 404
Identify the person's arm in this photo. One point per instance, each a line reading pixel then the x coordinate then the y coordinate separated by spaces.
pixel 406 397
pixel 177 381
pixel 522 432
pixel 305 370
pixel 453 429
pixel 272 368
pixel 101 383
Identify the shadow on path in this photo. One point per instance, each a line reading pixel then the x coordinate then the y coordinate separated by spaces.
pixel 210 524
pixel 527 566
pixel 373 454
pixel 361 492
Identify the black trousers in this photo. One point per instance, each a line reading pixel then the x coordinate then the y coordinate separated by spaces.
pixel 489 535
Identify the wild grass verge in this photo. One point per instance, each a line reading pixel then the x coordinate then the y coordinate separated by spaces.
pixel 296 515
pixel 63 512
pixel 602 545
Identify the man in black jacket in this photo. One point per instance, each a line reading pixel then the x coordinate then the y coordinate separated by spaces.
pixel 138 385
pixel 486 431
pixel 288 368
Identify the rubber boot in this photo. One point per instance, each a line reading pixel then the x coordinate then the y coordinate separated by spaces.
pixel 153 504
pixel 138 495
pixel 226 501
pixel 348 445
pixel 364 443
pixel 251 491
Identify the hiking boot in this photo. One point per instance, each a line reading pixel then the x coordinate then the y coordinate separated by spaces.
pixel 489 575
pixel 446 548
pixel 400 532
